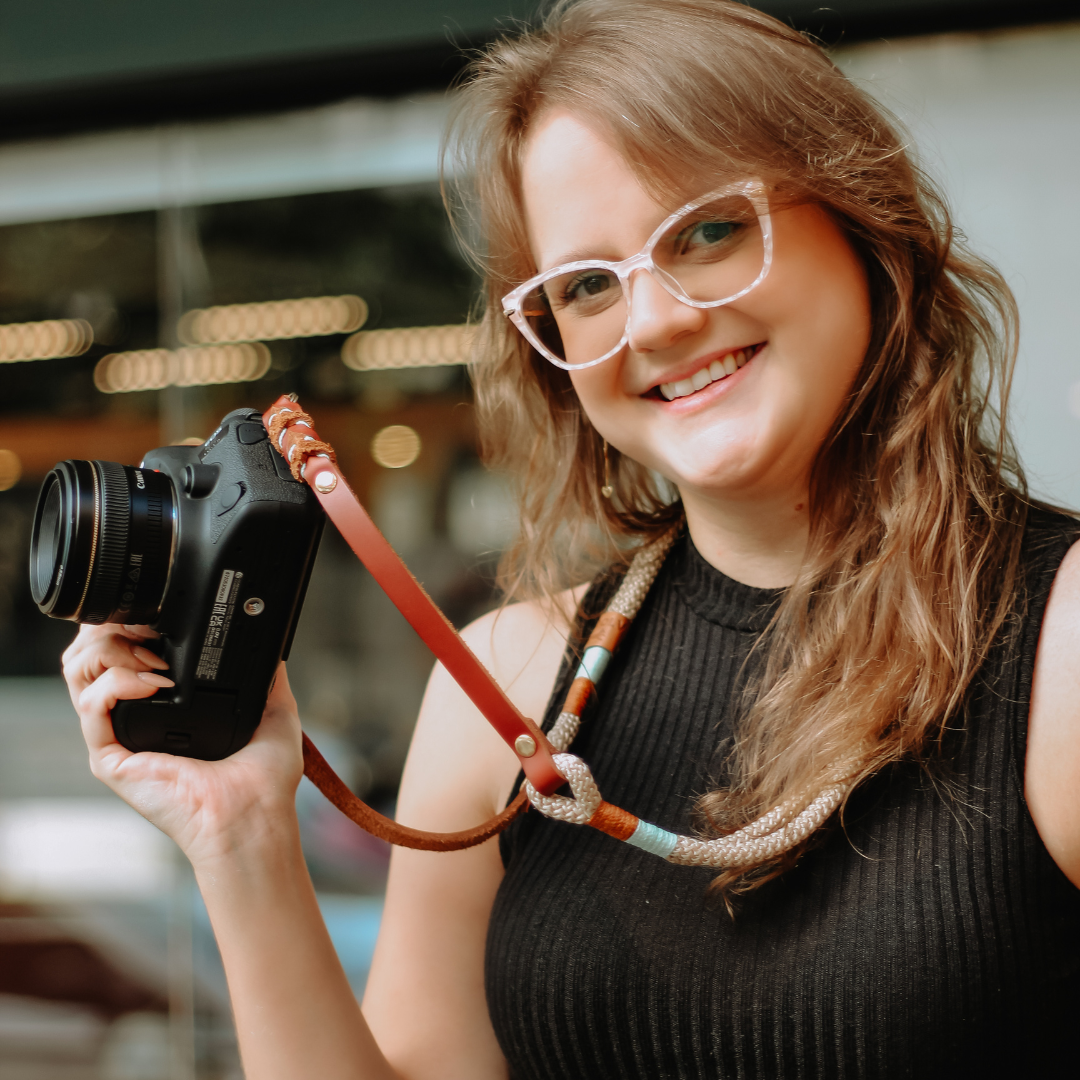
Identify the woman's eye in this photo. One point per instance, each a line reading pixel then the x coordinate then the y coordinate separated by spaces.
pixel 591 285
pixel 709 233
pixel 585 286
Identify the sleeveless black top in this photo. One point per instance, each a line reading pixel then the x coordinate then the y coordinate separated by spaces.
pixel 932 937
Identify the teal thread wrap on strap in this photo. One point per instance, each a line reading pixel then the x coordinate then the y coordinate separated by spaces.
pixel 593 664
pixel 653 839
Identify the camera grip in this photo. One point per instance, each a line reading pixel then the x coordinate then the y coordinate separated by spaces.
pixel 207 727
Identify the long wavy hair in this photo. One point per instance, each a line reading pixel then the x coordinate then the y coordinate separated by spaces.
pixel 917 502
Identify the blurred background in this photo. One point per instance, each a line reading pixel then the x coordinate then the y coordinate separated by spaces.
pixel 159 159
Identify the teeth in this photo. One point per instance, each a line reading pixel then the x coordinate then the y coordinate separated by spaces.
pixel 700 379
pixel 718 369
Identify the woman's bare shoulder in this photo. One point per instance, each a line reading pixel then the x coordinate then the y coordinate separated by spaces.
pixel 521 645
pixel 1052 767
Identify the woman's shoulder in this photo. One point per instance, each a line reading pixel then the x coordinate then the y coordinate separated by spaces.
pixel 1052 766
pixel 453 747
pixel 521 641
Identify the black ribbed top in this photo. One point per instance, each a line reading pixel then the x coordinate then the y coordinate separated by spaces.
pixel 933 937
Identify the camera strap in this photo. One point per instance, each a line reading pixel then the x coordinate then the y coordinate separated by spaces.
pixel 781 829
pixel 312 461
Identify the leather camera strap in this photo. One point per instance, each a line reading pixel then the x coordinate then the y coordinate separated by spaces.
pixel 311 460
pixel 781 829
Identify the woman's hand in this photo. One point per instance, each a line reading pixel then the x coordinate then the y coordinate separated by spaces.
pixel 208 807
pixel 236 821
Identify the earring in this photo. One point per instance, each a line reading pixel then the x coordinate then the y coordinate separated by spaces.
pixel 607 490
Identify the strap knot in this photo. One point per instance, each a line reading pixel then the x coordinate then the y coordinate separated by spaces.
pixel 586 800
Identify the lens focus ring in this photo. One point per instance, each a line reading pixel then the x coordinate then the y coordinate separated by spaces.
pixel 102 543
pixel 108 569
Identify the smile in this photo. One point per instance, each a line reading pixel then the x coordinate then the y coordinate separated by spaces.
pixel 719 369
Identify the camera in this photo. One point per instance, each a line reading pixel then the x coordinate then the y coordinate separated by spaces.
pixel 211 545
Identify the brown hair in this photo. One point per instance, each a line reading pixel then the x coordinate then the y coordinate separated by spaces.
pixel 917 503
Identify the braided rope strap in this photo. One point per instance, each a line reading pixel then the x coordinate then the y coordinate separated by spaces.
pixel 780 830
pixel 609 631
pixel 770 835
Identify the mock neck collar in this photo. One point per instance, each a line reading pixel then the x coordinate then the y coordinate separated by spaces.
pixel 714 596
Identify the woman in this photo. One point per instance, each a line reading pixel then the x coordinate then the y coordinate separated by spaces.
pixel 854 595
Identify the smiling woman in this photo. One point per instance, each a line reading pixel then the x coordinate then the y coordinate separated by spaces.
pixel 843 459
pixel 820 398
pixel 737 362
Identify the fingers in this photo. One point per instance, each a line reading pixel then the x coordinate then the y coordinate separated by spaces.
pixel 154 679
pixel 88 636
pixel 104 665
pixel 151 659
pixel 89 633
pixel 97 701
pixel 89 658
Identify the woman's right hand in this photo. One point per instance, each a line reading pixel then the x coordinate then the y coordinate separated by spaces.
pixel 208 807
pixel 235 819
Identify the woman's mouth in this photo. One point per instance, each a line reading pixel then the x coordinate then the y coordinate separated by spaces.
pixel 720 368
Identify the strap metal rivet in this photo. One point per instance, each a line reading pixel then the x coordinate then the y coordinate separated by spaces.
pixel 525 745
pixel 254 606
pixel 325 482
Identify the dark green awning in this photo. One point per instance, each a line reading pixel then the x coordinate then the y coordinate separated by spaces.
pixel 76 64
pixel 47 42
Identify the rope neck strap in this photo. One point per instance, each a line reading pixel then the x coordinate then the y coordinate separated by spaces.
pixel 543 759
pixel 770 835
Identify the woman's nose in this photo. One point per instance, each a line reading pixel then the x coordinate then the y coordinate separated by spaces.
pixel 657 319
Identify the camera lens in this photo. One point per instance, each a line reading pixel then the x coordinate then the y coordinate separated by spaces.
pixel 46 541
pixel 102 543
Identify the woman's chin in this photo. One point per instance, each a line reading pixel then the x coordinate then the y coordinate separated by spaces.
pixel 716 482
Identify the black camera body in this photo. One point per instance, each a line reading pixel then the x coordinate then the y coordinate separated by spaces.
pixel 211 545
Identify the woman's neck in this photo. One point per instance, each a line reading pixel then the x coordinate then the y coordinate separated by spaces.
pixel 759 542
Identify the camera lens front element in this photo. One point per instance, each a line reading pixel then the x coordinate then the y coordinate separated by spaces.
pixel 45 553
pixel 102 542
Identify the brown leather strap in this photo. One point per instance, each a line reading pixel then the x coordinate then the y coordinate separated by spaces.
pixel 312 461
pixel 292 432
pixel 333 787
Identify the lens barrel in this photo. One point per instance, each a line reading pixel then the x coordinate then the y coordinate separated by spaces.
pixel 103 542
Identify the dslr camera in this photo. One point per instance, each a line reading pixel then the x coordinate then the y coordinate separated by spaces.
pixel 211 545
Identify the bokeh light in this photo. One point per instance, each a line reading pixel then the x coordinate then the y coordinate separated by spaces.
pixel 395 446
pixel 414 346
pixel 10 469
pixel 48 340
pixel 155 369
pixel 273 320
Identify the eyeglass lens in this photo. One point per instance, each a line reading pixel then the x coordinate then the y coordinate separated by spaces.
pixel 709 254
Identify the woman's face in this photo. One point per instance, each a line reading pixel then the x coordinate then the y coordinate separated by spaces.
pixel 752 434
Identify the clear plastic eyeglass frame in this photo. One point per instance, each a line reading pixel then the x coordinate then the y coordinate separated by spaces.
pixel 753 190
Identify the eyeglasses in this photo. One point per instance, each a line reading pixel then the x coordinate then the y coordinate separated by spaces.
pixel 711 252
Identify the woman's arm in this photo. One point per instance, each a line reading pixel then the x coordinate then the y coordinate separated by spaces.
pixel 425 998
pixel 294 1010
pixel 236 822
pixel 1052 769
